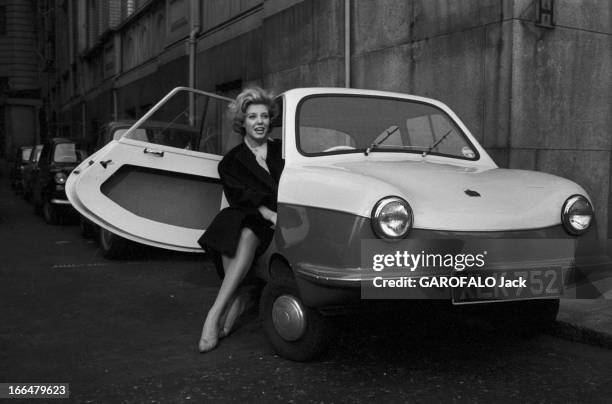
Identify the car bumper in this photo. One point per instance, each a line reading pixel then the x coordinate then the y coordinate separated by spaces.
pixel 57 201
pixel 58 197
pixel 329 288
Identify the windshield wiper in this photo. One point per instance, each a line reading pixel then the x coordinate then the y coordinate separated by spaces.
pixel 388 132
pixel 436 143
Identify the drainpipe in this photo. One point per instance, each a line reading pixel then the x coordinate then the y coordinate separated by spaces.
pixel 192 44
pixel 115 105
pixel 347 43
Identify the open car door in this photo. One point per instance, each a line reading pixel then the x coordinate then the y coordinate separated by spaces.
pixel 158 184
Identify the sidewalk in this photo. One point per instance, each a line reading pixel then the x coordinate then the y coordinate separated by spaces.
pixel 588 320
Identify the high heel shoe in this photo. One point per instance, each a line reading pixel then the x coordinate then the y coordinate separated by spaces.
pixel 224 333
pixel 207 345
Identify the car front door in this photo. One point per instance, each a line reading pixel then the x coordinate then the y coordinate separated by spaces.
pixel 165 191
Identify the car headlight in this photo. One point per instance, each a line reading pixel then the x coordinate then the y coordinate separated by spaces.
pixel 391 218
pixel 60 178
pixel 577 214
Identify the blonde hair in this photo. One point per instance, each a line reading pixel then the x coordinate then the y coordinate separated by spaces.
pixel 249 96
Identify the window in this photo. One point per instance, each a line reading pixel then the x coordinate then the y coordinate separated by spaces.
pixel 130 7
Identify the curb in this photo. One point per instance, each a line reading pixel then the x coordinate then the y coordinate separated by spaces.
pixel 575 333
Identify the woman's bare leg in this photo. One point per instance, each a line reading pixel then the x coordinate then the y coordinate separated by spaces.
pixel 235 270
pixel 241 303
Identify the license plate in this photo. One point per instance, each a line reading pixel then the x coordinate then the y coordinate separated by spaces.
pixel 492 286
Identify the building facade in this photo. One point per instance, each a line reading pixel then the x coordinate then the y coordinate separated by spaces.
pixel 530 78
pixel 19 75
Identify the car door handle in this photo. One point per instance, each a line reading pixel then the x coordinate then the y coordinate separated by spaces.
pixel 158 153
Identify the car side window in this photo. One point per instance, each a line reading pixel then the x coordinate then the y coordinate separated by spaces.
pixel 137 134
pixel 217 136
pixel 35 155
pixel 276 125
pixel 189 120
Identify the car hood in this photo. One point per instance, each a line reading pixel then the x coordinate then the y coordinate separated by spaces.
pixel 453 197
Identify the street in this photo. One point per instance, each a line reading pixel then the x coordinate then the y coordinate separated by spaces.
pixel 127 331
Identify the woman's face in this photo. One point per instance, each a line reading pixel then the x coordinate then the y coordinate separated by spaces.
pixel 257 122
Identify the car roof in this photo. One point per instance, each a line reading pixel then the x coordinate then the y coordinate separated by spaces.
pixel 306 91
pixel 57 140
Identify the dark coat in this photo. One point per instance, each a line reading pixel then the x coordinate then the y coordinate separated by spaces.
pixel 247 186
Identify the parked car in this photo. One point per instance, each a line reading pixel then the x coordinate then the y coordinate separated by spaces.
pixel 20 160
pixel 363 170
pixel 112 245
pixel 29 171
pixel 58 157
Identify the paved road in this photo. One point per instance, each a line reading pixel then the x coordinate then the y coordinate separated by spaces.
pixel 127 332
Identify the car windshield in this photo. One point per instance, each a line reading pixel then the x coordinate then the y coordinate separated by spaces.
pixel 138 134
pixel 334 124
pixel 67 153
pixel 25 154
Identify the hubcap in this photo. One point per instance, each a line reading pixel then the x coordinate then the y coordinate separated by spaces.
pixel 289 317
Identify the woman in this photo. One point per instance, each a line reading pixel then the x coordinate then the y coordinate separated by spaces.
pixel 240 233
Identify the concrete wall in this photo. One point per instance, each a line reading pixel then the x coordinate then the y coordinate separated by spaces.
pixel 21 125
pixel 304 46
pixel 139 95
pixel 561 109
pixel 237 59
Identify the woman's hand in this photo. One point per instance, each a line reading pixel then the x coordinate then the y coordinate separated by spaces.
pixel 273 218
pixel 268 214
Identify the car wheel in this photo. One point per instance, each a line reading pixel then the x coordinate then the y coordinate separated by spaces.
pixel 526 318
pixel 295 331
pixel 87 229
pixel 112 245
pixel 50 213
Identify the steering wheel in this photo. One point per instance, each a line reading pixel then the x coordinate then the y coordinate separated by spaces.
pixel 336 148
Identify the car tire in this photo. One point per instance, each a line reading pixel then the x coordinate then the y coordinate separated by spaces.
pixel 112 245
pixel 50 213
pixel 87 229
pixel 309 335
pixel 526 318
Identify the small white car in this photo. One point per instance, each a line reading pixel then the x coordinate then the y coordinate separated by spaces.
pixel 364 170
